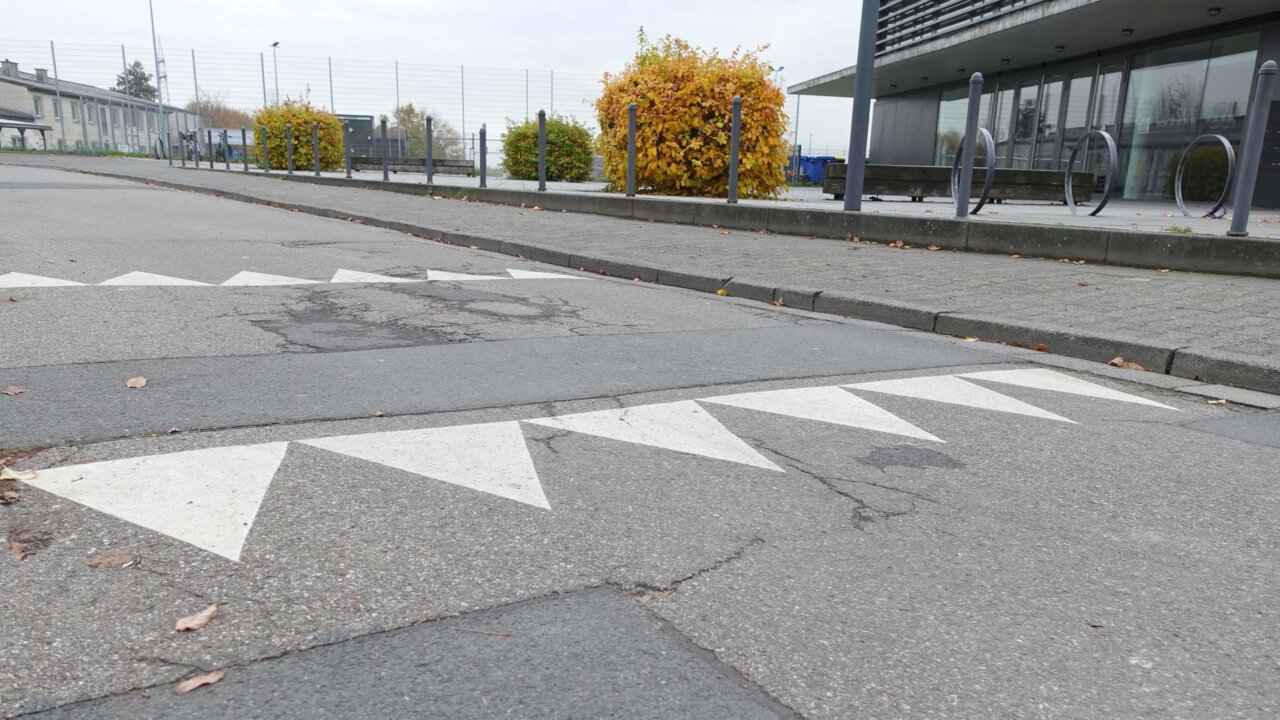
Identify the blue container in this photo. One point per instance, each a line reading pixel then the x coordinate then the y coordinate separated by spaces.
pixel 814 167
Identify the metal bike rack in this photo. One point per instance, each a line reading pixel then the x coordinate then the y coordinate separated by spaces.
pixel 990 143
pixel 1113 167
pixel 1226 189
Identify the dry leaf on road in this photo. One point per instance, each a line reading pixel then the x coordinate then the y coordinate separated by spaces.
pixel 778 302
pixel 1120 362
pixel 1041 348
pixel 24 543
pixel 192 683
pixel 8 473
pixel 137 381
pixel 13 390
pixel 112 559
pixel 935 247
pixel 10 497
pixel 197 620
pixel 1218 402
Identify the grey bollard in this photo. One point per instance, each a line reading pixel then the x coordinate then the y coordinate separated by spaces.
pixel 182 142
pixel 860 125
pixel 386 176
pixel 735 133
pixel 346 147
pixel 970 146
pixel 168 141
pixel 1251 149
pixel 542 150
pixel 288 149
pixel 244 148
pixel 631 150
pixel 209 145
pixel 226 151
pixel 431 167
pixel 484 157
pixel 315 147
pixel 266 158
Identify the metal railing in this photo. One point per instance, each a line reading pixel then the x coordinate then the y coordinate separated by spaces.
pixel 903 23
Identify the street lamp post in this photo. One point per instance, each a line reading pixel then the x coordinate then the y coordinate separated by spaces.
pixel 275 69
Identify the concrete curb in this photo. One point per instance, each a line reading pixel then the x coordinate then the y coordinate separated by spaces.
pixel 1259 257
pixel 1253 373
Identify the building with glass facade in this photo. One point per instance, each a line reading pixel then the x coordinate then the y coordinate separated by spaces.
pixel 1155 74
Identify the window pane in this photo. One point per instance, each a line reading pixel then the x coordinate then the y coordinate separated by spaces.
pixel 1000 120
pixel 1026 124
pixel 1049 133
pixel 1162 109
pixel 951 112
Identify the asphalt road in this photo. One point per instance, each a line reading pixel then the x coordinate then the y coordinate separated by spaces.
pixel 576 496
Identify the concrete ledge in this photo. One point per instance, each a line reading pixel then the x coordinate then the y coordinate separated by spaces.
pixel 536 253
pixel 691 281
pixel 814 223
pixel 948 233
pixel 1225 368
pixel 901 314
pixel 612 268
pixel 802 298
pixel 757 290
pixel 610 205
pixel 1051 241
pixel 1197 253
pixel 1063 342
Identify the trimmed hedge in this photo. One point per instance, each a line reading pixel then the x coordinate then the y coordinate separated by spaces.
pixel 300 114
pixel 569 153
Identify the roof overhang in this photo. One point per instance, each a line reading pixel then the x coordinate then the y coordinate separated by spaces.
pixel 1030 37
pixel 9 124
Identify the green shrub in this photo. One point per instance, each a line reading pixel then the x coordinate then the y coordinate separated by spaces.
pixel 569 154
pixel 300 114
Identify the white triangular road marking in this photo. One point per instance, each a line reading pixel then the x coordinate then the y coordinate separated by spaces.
pixel 539 275
pixel 207 498
pixel 146 278
pixel 825 404
pixel 20 280
pixel 453 276
pixel 953 390
pixel 355 276
pixel 491 457
pixel 1041 379
pixel 256 279
pixel 680 426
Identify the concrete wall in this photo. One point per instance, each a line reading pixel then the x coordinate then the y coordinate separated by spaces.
pixel 904 127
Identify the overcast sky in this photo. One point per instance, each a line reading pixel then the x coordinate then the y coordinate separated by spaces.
pixel 567 36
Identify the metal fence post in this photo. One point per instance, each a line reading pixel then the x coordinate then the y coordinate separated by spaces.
pixel 346 147
pixel 226 151
pixel 631 150
pixel 266 155
pixel 209 144
pixel 84 126
pixel 484 157
pixel 57 89
pixel 385 176
pixel 970 146
pixel 315 147
pixel 1251 149
pixel 735 132
pixel 262 64
pixel 244 148
pixel 430 161
pixel 288 149
pixel 542 150
pixel 861 123
pixel 182 142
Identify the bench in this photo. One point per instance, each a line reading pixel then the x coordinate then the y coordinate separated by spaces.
pixel 921 181
pixel 410 164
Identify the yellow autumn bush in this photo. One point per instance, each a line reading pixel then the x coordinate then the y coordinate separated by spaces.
pixel 684 98
pixel 299 114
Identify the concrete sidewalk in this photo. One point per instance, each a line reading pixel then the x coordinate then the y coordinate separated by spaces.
pixel 1214 328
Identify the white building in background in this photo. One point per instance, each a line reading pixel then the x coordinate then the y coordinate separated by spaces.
pixel 43 113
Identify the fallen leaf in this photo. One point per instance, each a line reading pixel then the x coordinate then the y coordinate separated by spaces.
pixel 174 431
pixel 10 497
pixel 779 302
pixel 935 247
pixel 1120 362
pixel 1082 283
pixel 1095 624
pixel 1163 270
pixel 897 244
pixel 378 413
pixel 724 232
pixel 1015 256
pixel 8 473
pixel 137 381
pixel 192 683
pixel 196 620
pixel 722 292
pixel 112 559
pixel 971 339
pixel 13 299
pixel 1218 402
pixel 13 390
pixel 24 543
pixel 1041 348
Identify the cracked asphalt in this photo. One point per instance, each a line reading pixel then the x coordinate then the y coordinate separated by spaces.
pixel 1123 565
